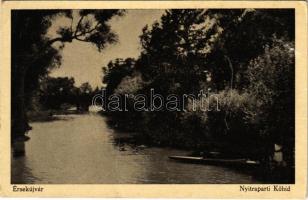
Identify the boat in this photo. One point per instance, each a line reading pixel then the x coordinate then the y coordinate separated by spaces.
pixel 216 161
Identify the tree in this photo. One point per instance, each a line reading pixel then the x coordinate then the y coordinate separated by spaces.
pixel 33 54
pixel 84 96
pixel 115 71
pixel 244 35
pixel 171 62
pixel 272 82
pixel 174 51
pixel 56 91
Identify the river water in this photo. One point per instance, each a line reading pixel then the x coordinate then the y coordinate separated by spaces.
pixel 82 149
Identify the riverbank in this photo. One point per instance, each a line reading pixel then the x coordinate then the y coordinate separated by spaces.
pixel 49 115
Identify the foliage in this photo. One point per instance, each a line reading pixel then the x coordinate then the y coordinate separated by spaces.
pixel 272 82
pixel 130 84
pixel 245 57
pixel 244 36
pixel 173 51
pixel 55 92
pixel 115 71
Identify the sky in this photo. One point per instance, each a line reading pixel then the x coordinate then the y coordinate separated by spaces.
pixel 84 62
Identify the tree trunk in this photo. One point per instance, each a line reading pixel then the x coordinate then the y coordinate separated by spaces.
pixel 19 120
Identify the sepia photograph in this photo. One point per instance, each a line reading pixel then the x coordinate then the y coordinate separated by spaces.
pixel 178 99
pixel 153 96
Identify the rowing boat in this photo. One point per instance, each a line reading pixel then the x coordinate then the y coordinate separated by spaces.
pixel 215 161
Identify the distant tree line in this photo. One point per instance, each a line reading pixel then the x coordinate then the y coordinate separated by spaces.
pixel 244 56
pixel 61 93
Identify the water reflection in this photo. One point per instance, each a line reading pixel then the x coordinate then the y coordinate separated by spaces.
pixel 82 149
pixel 21 173
pixel 19 148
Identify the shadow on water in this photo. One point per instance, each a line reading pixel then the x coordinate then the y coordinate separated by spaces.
pixel 19 167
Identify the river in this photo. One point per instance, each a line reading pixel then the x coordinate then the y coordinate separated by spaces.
pixel 82 149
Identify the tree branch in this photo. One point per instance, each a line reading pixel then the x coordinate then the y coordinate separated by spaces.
pixel 58 39
pixel 82 40
pixel 90 31
pixel 69 39
pixel 78 25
